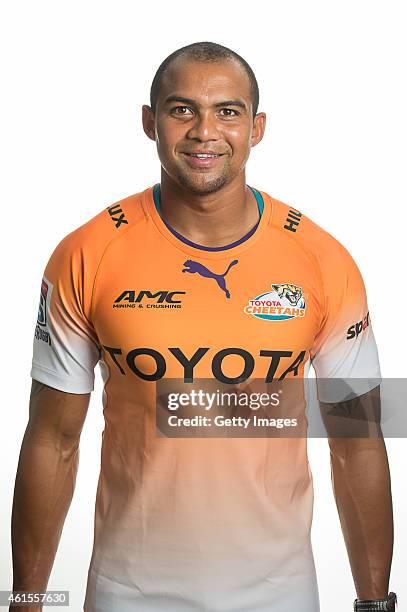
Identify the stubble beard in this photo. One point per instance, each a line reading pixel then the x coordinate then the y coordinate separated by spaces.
pixel 202 183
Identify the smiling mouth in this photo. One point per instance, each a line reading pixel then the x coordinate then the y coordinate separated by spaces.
pixel 204 155
pixel 202 161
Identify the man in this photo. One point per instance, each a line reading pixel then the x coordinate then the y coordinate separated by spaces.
pixel 199 278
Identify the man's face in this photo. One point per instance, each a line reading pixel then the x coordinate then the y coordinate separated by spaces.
pixel 204 107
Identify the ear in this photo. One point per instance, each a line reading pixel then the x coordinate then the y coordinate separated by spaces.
pixel 148 120
pixel 259 126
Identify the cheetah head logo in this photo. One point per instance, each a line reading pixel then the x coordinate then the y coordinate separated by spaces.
pixel 292 293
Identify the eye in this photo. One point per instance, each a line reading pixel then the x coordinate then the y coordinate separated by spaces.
pixel 229 110
pixel 176 108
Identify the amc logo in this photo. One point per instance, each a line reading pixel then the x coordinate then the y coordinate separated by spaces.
pixel 159 297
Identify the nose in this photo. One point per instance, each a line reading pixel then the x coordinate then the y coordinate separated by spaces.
pixel 204 128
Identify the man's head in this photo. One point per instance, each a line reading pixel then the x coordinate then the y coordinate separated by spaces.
pixel 204 97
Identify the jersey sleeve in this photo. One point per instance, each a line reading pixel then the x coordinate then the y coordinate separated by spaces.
pixel 344 354
pixel 65 345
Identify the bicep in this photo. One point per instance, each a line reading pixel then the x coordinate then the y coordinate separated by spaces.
pixel 358 417
pixel 54 413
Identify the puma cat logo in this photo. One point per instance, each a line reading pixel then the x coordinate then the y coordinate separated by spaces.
pixel 194 267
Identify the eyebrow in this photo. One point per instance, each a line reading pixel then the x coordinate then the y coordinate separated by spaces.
pixel 176 98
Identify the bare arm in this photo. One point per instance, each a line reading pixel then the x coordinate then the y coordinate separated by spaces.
pixel 44 485
pixel 362 489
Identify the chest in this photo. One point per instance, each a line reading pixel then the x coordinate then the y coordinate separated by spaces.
pixel 249 310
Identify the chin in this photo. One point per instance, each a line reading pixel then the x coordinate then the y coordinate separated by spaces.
pixel 202 184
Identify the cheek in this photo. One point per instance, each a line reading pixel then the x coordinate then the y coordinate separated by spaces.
pixel 168 136
pixel 239 140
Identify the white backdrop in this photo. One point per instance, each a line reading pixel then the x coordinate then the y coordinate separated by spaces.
pixel 74 76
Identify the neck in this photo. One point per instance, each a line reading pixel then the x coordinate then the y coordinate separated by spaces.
pixel 214 219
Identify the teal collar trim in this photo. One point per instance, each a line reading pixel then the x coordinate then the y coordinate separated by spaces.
pixel 157 198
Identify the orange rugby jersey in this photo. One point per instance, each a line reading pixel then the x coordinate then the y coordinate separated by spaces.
pixel 199 523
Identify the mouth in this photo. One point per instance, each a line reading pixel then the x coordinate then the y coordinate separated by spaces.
pixel 202 160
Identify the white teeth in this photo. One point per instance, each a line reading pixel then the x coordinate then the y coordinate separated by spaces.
pixel 202 155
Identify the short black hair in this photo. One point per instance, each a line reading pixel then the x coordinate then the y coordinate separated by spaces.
pixel 204 52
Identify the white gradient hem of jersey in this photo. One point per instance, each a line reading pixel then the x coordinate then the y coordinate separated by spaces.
pixel 62 384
